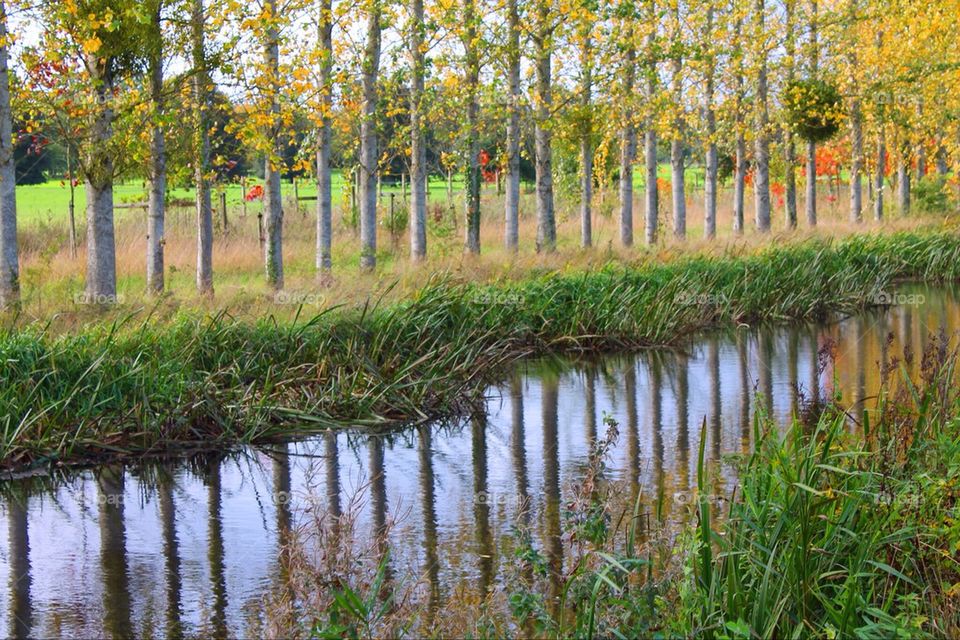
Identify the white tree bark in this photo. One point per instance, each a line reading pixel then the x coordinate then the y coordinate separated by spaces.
pixel 472 80
pixel 856 161
pixel 710 161
pixel 586 143
pixel 418 158
pixel 101 245
pixel 272 200
pixel 324 194
pixel 856 132
pixel 512 200
pixel 201 151
pixel 546 220
pixel 368 140
pixel 881 171
pixel 628 142
pixel 651 195
pixel 761 183
pixel 811 204
pixel 903 178
pixel 740 161
pixel 789 146
pixel 677 169
pixel 157 163
pixel 9 253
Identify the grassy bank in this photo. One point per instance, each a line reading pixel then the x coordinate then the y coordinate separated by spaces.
pixel 140 387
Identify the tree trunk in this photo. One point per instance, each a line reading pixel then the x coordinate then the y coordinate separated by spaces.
pixel 710 161
pixel 71 205
pixel 811 204
pixel 789 146
pixel 546 222
pixel 761 183
pixel 324 182
pixel 472 199
pixel 881 171
pixel 418 158
pixel 811 199
pixel 158 163
pixel 368 140
pixel 586 142
pixel 628 143
pixel 856 161
pixel 903 178
pixel 740 162
pixel 272 201
pixel 9 253
pixel 101 245
pixel 512 206
pixel 677 169
pixel 201 150
pixel 943 168
pixel 651 195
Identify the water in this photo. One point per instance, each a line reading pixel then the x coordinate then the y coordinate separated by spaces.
pixel 191 548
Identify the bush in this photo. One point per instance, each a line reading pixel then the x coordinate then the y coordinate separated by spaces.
pixel 931 195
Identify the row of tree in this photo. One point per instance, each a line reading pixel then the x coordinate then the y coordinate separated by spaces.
pixel 752 85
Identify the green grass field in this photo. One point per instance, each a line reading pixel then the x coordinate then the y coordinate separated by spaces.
pixel 49 202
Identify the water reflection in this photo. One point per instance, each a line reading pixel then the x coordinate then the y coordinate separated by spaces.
pixel 18 545
pixel 113 553
pixel 171 559
pixel 186 550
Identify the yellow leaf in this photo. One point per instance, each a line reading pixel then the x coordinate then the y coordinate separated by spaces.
pixel 92 45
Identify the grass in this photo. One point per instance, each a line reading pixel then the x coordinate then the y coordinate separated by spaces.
pixel 49 202
pixel 834 535
pixel 146 385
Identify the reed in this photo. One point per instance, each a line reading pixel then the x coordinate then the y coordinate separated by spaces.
pixel 140 386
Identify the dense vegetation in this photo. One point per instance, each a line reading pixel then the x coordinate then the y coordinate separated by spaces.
pixel 145 387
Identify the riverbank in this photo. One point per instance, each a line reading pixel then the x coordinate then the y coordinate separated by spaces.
pixel 142 387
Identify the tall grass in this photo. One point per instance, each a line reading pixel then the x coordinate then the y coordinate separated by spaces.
pixel 839 536
pixel 136 387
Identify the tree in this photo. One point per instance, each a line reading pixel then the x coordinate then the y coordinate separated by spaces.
pixel 544 28
pixel 761 181
pixel 89 49
pixel 272 202
pixel 9 254
pixel 324 143
pixel 677 168
pixel 585 37
pixel 157 164
pixel 789 144
pixel 628 132
pixel 814 62
pixel 472 88
pixel 201 151
pixel 710 118
pixel 739 89
pixel 652 201
pixel 368 138
pixel 418 155
pixel 512 200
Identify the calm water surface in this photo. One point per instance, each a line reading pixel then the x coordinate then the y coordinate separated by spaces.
pixel 190 548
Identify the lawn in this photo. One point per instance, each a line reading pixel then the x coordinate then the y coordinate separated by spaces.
pixel 49 202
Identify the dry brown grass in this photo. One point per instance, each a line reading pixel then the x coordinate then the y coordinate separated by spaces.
pixel 52 278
